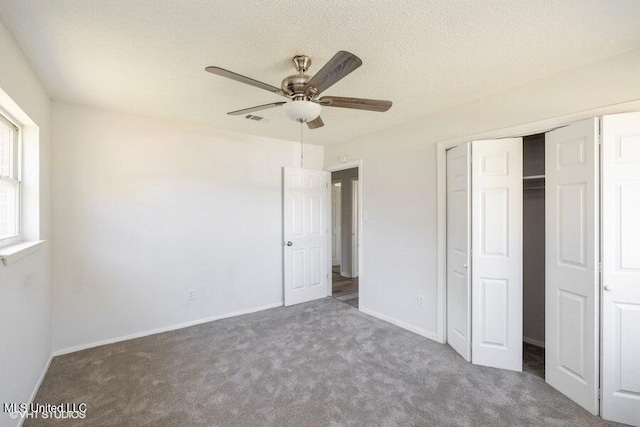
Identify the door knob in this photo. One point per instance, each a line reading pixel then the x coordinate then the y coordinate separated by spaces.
pixel 608 288
pixel 289 243
pixel 465 265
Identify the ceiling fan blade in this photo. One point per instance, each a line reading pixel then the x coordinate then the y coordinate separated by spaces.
pixel 244 79
pixel 355 103
pixel 333 71
pixel 257 108
pixel 316 123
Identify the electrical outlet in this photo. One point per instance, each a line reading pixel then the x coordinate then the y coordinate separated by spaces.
pixel 191 294
pixel 420 300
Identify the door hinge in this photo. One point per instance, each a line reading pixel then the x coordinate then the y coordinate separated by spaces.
pixel 599 393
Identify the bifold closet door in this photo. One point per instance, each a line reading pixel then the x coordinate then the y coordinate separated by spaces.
pixel 572 253
pixel 497 253
pixel 621 268
pixel 458 249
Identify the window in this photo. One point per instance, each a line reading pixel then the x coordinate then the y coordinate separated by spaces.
pixel 9 181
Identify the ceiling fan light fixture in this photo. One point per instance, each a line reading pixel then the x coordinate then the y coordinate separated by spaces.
pixel 301 111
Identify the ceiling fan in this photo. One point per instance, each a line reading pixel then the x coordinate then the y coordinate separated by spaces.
pixel 304 106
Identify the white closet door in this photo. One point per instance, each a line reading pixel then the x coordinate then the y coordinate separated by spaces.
pixel 621 268
pixel 497 253
pixel 572 224
pixel 458 249
pixel 306 228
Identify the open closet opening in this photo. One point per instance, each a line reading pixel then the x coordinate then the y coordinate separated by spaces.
pixel 534 233
pixel 344 236
pixel 533 253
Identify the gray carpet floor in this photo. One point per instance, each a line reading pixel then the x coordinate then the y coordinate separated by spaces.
pixel 316 364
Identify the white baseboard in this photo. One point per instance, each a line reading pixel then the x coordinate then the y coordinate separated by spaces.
pixel 37 387
pixel 403 325
pixel 164 329
pixel 533 342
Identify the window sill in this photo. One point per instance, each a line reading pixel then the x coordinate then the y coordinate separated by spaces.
pixel 12 253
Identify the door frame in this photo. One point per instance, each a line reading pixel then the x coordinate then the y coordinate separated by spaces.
pixel 355 227
pixel 441 182
pixel 332 185
pixel 340 167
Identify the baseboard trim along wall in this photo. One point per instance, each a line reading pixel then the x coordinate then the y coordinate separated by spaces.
pixel 37 387
pixel 422 332
pixel 164 329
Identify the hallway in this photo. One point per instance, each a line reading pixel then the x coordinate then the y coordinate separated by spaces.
pixel 345 289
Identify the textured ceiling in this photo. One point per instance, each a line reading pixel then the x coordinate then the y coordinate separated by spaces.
pixel 148 56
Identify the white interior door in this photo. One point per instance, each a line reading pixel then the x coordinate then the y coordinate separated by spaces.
pixel 571 293
pixel 336 221
pixel 354 228
pixel 459 250
pixel 306 213
pixel 497 253
pixel 621 268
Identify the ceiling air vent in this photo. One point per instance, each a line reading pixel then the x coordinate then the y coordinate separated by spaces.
pixel 256 118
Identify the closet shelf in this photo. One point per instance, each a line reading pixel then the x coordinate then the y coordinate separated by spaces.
pixel 533 182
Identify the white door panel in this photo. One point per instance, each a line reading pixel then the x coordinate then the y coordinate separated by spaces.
pixel 621 268
pixel 572 224
pixel 305 235
pixel 497 253
pixel 458 249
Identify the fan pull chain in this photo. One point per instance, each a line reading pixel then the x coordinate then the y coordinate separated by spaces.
pixel 301 145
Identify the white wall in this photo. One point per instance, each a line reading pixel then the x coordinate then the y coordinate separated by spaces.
pixel 399 178
pixel 25 292
pixel 145 210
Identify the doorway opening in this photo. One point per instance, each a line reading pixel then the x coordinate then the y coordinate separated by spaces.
pixel 345 236
pixel 533 254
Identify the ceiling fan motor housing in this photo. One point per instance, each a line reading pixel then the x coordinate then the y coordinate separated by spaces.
pixel 295 84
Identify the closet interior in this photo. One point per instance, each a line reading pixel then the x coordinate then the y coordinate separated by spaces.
pixel 533 314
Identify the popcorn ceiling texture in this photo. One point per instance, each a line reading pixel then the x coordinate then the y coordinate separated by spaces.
pixel 148 57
